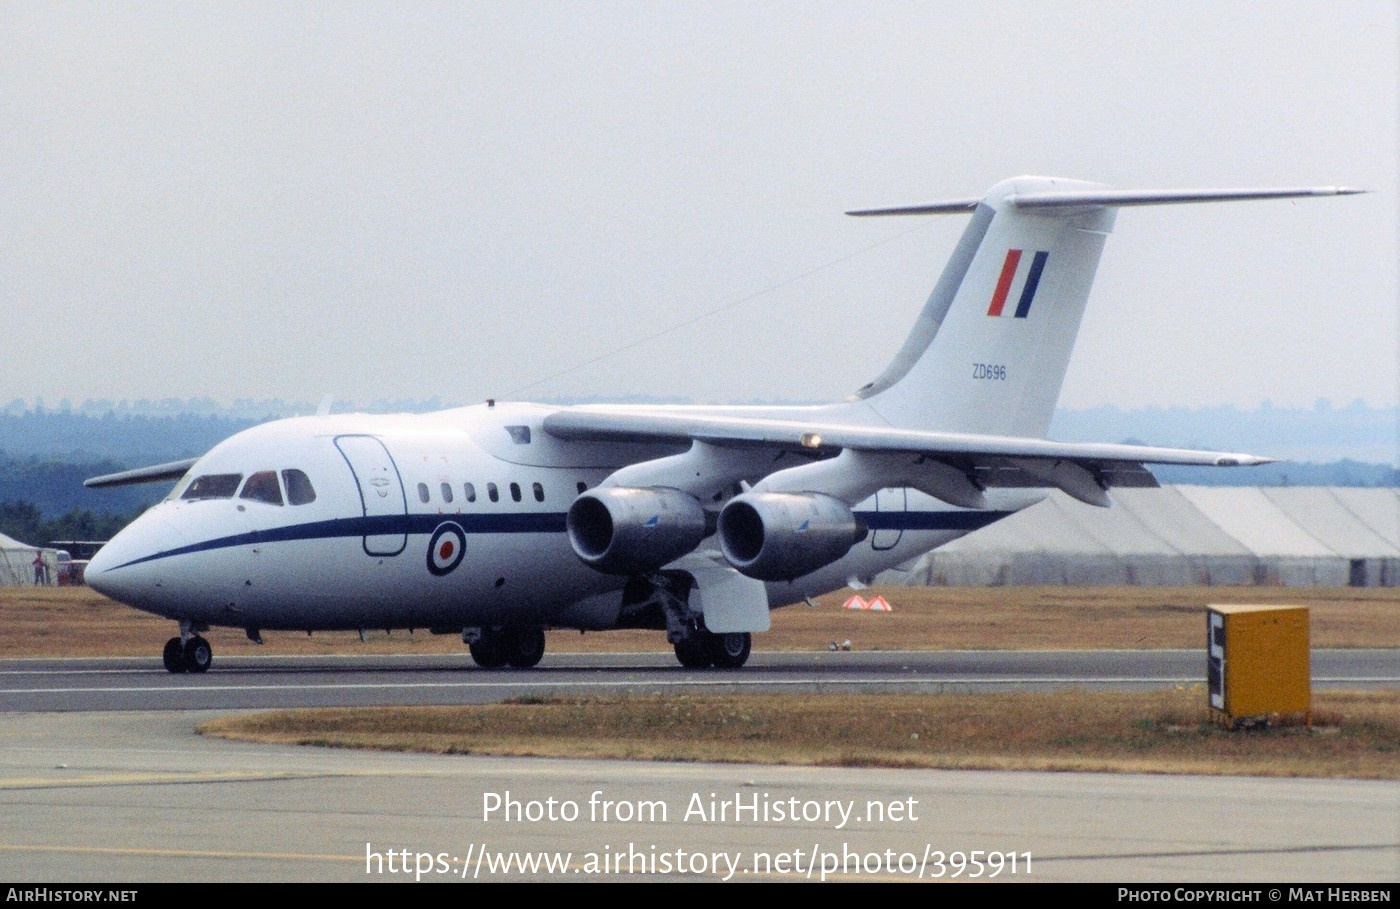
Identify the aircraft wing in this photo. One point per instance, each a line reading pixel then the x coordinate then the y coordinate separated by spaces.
pixel 615 426
pixel 1081 469
pixel 156 473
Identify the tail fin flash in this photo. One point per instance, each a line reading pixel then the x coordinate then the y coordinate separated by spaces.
pixel 989 352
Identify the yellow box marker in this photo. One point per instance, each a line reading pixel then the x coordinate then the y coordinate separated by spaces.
pixel 1258 666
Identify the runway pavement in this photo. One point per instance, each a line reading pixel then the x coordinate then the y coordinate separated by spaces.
pixel 266 682
pixel 93 794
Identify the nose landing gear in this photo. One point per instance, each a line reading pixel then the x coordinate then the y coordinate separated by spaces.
pixel 188 652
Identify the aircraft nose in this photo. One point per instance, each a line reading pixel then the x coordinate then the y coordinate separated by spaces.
pixel 126 568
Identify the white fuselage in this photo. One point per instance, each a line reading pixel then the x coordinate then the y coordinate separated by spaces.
pixel 441 520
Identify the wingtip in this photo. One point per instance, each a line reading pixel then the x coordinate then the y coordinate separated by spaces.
pixel 1243 460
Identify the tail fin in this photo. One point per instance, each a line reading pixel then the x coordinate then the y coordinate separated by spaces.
pixel 989 352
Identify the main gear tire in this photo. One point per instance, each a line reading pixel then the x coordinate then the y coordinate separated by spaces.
pixel 692 652
pixel 524 647
pixel 489 651
pixel 729 651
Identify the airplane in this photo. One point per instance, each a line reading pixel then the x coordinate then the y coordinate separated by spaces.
pixel 501 520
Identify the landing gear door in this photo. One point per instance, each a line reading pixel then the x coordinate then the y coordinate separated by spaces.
pixel 729 601
pixel 889 503
pixel 381 493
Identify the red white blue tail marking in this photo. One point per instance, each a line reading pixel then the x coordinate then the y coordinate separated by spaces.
pixel 1009 269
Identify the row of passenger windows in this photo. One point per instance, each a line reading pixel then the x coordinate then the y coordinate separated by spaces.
pixel 493 492
pixel 259 487
pixel 263 486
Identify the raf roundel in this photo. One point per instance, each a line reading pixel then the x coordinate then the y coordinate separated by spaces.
pixel 446 548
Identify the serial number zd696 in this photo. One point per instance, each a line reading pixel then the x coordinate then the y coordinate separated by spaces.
pixel 996 371
pixel 976 863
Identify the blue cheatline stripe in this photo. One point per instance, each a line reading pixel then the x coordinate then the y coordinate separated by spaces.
pixel 1032 282
pixel 375 525
pixel 546 522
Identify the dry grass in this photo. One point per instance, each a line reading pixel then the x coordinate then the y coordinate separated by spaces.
pixel 1354 734
pixel 77 621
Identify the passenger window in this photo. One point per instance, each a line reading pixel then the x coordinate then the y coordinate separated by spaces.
pixel 299 489
pixel 214 486
pixel 492 493
pixel 262 487
pixel 447 492
pixel 470 490
pixel 423 493
pixel 515 492
pixel 539 492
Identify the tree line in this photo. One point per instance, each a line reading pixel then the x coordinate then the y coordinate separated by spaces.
pixel 56 488
pixel 24 522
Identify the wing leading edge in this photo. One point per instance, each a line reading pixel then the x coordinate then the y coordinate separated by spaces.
pixel 1083 470
pixel 616 426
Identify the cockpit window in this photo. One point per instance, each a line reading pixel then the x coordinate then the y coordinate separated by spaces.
pixel 213 486
pixel 262 487
pixel 299 489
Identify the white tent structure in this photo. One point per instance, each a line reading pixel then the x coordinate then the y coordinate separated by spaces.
pixel 17 563
pixel 1182 535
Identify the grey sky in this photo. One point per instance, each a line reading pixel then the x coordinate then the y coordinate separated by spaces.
pixel 402 200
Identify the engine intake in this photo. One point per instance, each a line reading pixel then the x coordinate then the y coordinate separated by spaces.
pixel 626 530
pixel 777 536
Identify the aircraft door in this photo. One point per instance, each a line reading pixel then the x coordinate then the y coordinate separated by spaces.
pixel 381 493
pixel 888 503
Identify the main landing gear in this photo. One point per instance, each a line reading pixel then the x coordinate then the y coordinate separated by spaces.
pixel 705 648
pixel 493 648
pixel 192 654
pixel 648 601
pixel 696 646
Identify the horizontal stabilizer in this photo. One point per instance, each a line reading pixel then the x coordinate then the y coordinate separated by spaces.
pixel 1112 198
pixel 953 207
pixel 156 473
pixel 1122 198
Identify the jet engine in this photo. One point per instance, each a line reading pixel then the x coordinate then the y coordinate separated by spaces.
pixel 777 536
pixel 625 530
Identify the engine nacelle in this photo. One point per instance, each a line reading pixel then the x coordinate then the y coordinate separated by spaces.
pixel 625 530
pixel 778 536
